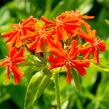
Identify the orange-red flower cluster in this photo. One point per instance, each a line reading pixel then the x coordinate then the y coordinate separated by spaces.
pixel 61 38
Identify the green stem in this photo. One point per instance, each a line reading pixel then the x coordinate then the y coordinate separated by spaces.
pixel 44 54
pixel 57 92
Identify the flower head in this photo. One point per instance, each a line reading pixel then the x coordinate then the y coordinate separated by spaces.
pixel 92 46
pixel 67 23
pixel 62 27
pixel 41 37
pixel 21 29
pixel 11 62
pixel 61 58
pixel 77 17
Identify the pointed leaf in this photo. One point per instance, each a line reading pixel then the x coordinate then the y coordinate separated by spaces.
pixel 107 21
pixel 36 87
pixel 42 86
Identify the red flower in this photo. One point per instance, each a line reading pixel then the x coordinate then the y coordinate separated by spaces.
pixel 62 26
pixel 76 16
pixel 67 22
pixel 92 46
pixel 61 58
pixel 11 62
pixel 14 36
pixel 42 36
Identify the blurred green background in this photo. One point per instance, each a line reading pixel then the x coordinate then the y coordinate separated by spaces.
pixel 95 85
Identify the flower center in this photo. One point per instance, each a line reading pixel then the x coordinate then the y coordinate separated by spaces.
pixel 8 59
pixel 58 22
pixel 68 59
pixel 43 33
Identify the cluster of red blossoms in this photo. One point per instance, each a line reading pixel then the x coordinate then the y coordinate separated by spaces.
pixel 68 38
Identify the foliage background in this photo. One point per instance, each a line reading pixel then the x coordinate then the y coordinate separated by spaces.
pixel 95 84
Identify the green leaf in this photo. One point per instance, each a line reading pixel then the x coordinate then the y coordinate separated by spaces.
pixel 3 94
pixel 107 21
pixel 3 49
pixel 43 85
pixel 35 89
pixel 76 78
pixel 4 15
pixel 79 104
pixel 96 24
pixel 93 105
pixel 86 6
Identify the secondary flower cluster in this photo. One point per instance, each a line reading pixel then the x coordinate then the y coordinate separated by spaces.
pixel 68 38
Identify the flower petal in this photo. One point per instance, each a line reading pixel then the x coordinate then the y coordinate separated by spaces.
pixel 12 52
pixel 8 74
pixel 68 77
pixel 18 53
pixel 101 45
pixel 55 65
pixel 73 45
pixel 96 57
pixel 80 69
pixel 17 74
pixel 19 59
